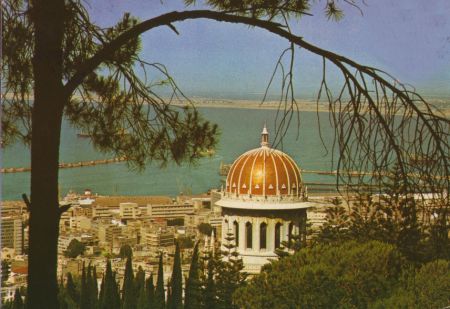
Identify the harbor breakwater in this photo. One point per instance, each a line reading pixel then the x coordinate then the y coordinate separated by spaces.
pixel 67 165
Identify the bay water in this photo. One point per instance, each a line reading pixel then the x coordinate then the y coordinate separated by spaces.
pixel 240 131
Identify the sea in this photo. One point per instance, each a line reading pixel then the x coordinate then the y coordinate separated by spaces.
pixel 240 131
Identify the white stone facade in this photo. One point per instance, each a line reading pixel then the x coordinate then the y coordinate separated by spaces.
pixel 258 233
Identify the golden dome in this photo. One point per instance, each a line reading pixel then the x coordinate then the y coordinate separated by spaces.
pixel 264 172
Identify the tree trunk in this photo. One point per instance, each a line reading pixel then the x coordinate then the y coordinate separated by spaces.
pixel 48 17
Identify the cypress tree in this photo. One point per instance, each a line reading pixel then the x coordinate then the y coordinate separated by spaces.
pixel 108 299
pixel 101 296
pixel 116 291
pixel 95 286
pixel 129 295
pixel 150 292
pixel 160 299
pixel 229 276
pixel 63 297
pixel 18 302
pixel 139 281
pixel 176 284
pixel 169 294
pixel 142 302
pixel 71 289
pixel 192 298
pixel 209 295
pixel 90 293
pixel 139 287
pixel 84 293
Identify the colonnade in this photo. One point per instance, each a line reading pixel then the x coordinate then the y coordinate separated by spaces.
pixel 242 227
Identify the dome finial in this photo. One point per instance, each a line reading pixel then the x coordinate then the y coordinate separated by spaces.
pixel 265 136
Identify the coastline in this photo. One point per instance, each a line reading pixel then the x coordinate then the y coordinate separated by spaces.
pixel 442 106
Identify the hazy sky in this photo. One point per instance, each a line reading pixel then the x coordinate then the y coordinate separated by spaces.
pixel 407 38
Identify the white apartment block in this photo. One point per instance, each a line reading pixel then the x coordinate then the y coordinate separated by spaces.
pixel 12 233
pixel 156 238
pixel 107 233
pixel 170 210
pixel 129 210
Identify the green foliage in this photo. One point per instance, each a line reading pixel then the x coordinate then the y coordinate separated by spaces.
pixel 391 219
pixel 205 229
pixel 139 280
pixel 17 302
pixel 126 252
pixel 176 281
pixel 401 209
pixel 89 291
pixel 128 288
pixel 295 242
pixel 169 294
pixel 91 287
pixel 109 294
pixel 101 295
pixel 140 288
pixel 116 290
pixel 193 296
pixel 69 295
pixel 209 290
pixel 350 275
pixel 74 249
pixel 428 287
pixel 150 292
pixel 94 287
pixel 160 298
pixel 228 274
pixel 271 9
pixel 65 301
pixel 71 289
pixel 119 108
pixel 185 242
pixel 84 294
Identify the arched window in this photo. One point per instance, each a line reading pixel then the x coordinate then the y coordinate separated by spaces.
pixel 249 235
pixel 236 232
pixel 277 235
pixel 263 236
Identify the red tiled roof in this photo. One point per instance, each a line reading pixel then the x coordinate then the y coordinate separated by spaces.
pixel 20 270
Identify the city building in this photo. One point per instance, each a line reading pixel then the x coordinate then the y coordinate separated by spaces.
pixel 175 210
pixel 155 238
pixel 65 239
pixel 129 210
pixel 12 233
pixel 107 232
pixel 99 211
pixel 263 204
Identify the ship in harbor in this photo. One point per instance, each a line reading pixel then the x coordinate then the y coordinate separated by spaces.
pixel 83 134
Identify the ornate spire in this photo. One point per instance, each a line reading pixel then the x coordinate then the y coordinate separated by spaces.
pixel 265 137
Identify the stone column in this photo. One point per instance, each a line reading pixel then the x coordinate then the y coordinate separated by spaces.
pixel 285 231
pixel 303 219
pixel 296 227
pixel 241 222
pixel 225 226
pixel 271 235
pixel 256 236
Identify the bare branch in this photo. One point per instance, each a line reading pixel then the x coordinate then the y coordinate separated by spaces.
pixel 27 201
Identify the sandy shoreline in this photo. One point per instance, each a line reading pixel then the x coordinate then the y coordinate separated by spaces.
pixel 442 104
pixel 250 104
pixel 302 105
